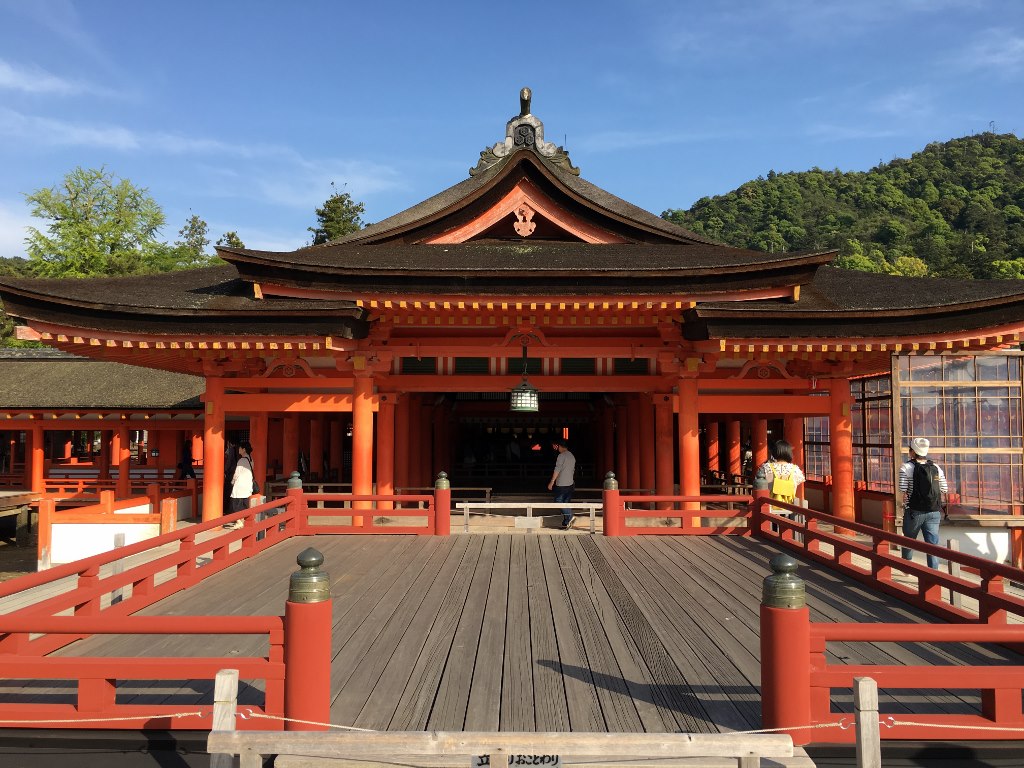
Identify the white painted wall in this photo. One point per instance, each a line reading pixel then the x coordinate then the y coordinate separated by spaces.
pixel 74 541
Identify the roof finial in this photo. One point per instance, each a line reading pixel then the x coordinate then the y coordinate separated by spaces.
pixel 525 96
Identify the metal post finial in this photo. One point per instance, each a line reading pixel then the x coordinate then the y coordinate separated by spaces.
pixel 295 481
pixel 610 483
pixel 310 584
pixel 784 589
pixel 442 482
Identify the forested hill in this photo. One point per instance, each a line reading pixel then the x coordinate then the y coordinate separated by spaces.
pixel 953 209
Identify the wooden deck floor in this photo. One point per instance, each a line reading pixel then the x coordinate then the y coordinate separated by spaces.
pixel 521 633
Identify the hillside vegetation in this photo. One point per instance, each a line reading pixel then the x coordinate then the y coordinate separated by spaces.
pixel 953 210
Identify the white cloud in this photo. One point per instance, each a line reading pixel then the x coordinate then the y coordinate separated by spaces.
pixel 14 217
pixel 903 103
pixel 34 80
pixel 997 49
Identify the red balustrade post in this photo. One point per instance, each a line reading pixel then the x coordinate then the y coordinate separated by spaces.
pixel 785 651
pixel 294 491
pixel 47 508
pixel 307 645
pixel 612 513
pixel 168 515
pixel 442 505
pixel 757 510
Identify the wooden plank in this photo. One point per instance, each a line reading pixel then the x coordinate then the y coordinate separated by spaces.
pixel 729 696
pixel 551 707
pixel 452 701
pixel 583 704
pixel 417 700
pixel 369 656
pixel 617 705
pixel 517 707
pixel 484 712
pixel 662 697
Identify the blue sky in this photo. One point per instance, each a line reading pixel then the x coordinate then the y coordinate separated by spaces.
pixel 244 112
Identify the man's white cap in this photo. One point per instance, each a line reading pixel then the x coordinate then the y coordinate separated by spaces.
pixel 920 445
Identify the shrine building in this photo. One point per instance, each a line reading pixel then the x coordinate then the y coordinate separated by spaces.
pixel 525 303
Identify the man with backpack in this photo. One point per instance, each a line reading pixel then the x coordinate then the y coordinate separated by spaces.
pixel 922 484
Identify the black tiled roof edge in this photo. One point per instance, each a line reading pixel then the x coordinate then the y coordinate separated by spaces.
pixel 834 289
pixel 538 256
pixel 453 194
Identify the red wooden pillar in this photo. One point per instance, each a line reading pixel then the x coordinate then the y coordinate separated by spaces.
pixel 386 447
pixel 316 446
pixel 664 448
pixel 759 441
pixel 841 448
pixel 414 449
pixel 424 478
pixel 106 438
pixel 197 447
pixel 689 439
pixel 123 456
pixel 69 444
pixel 607 441
pixel 714 451
pixel 402 440
pixel 170 450
pixel 259 428
pixel 793 432
pixel 334 447
pixel 734 445
pixel 440 443
pixel 362 435
pixel 213 450
pixel 635 449
pixel 290 444
pixel 275 441
pixel 622 445
pixel 648 470
pixel 36 458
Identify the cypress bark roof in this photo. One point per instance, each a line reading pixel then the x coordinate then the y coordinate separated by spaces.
pixel 41 379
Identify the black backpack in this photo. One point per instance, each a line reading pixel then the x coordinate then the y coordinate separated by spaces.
pixel 927 493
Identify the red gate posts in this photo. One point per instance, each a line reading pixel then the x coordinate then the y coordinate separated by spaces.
pixel 612 514
pixel 785 651
pixel 307 646
pixel 442 505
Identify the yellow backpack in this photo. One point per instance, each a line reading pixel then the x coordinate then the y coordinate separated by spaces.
pixel 783 488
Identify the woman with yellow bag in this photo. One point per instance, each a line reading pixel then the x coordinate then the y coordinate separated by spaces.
pixel 781 476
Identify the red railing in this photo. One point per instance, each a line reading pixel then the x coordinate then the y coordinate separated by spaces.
pixel 798 682
pixel 873 557
pixel 692 513
pixel 371 513
pixel 114 584
pixel 93 700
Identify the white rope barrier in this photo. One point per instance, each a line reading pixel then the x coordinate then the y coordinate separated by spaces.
pixel 125 718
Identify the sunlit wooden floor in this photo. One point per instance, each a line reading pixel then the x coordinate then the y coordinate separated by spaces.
pixel 536 632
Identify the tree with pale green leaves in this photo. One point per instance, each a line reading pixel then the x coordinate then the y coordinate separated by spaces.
pixel 339 216
pixel 230 240
pixel 98 224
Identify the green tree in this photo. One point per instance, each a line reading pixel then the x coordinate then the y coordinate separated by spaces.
pixel 192 242
pixel 98 225
pixel 230 240
pixel 339 216
pixel 955 207
pixel 14 268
